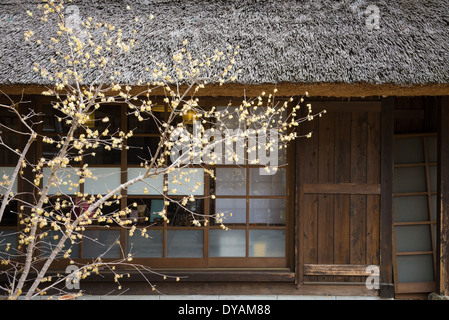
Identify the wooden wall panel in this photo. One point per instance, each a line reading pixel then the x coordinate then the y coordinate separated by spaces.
pixel 340 186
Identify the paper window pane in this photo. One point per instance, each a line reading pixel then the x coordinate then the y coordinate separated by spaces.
pixel 101 242
pixel 417 268
pixel 434 207
pixel 184 243
pixel 432 148
pixel 107 180
pixel 141 247
pixel 433 179
pixel 153 185
pixel 267 211
pixel 267 243
pixel 410 208
pixel 267 185
pixel 413 238
pixel 230 181
pixel 186 181
pixel 65 182
pixel 7 171
pixel 235 206
pixel 409 180
pixel 227 243
pixel 7 157
pixel 408 150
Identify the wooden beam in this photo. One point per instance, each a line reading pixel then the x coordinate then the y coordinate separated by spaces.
pixel 346 106
pixel 342 188
pixel 336 270
pixel 386 212
pixel 285 89
pixel 442 250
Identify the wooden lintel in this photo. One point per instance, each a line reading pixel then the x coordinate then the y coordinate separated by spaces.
pixel 346 106
pixel 341 188
pixel 337 270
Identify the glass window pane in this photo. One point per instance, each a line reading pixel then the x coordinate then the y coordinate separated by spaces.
pixel 8 244
pixel 52 239
pixel 432 148
pixel 187 181
pixel 113 113
pixel 10 214
pixel 146 247
pixel 101 242
pixel 267 211
pixel 413 208
pixel 184 215
pixel 235 206
pixel 417 268
pixel 228 118
pixel 227 243
pixel 102 156
pixel 413 238
pixel 150 186
pixel 141 149
pixel 409 180
pixel 267 243
pixel 409 150
pixel 107 180
pixel 230 181
pixel 184 243
pixel 151 124
pixel 50 122
pixel 267 185
pixel 146 211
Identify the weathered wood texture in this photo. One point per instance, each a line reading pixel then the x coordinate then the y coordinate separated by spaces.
pixel 386 218
pixel 337 269
pixel 442 263
pixel 339 181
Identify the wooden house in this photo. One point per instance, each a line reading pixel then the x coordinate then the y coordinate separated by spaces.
pixel 366 194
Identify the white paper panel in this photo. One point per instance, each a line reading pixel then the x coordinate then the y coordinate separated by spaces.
pixel 108 179
pixel 154 184
pixel 7 171
pixel 188 181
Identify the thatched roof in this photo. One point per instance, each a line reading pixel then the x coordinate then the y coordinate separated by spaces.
pixel 317 42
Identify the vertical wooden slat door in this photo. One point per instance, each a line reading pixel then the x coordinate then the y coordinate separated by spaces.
pixel 339 193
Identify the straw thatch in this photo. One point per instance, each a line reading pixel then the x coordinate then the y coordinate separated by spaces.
pixel 303 41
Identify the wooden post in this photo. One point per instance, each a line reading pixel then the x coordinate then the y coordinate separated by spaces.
pixel 442 254
pixel 386 214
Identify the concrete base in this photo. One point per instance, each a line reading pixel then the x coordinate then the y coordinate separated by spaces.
pixel 436 296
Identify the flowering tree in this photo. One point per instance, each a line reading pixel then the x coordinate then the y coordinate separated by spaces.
pixel 83 76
